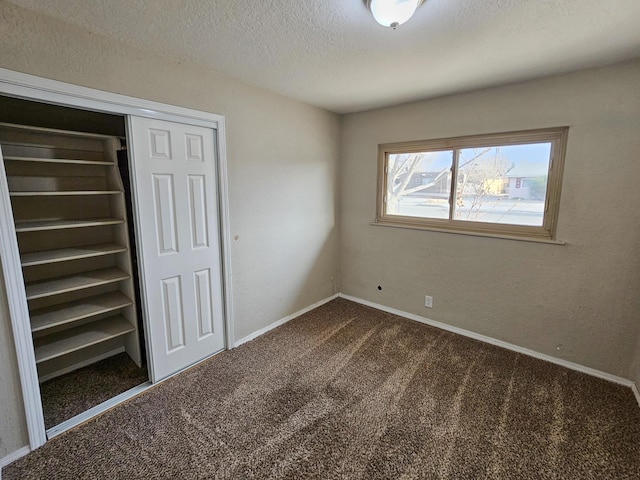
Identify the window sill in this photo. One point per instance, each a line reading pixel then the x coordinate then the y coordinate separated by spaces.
pixel 472 233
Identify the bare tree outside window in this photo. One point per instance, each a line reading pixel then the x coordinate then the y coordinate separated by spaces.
pixel 501 183
pixel 404 167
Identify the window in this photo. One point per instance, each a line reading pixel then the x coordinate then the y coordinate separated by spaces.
pixel 505 184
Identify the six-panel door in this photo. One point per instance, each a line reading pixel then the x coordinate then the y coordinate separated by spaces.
pixel 174 170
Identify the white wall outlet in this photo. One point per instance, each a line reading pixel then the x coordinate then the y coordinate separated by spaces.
pixel 428 301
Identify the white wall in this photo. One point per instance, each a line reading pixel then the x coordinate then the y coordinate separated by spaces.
pixel 577 302
pixel 282 158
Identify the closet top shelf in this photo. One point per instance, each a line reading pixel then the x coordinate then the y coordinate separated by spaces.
pixel 57 160
pixel 66 193
pixel 68 133
pixel 40 225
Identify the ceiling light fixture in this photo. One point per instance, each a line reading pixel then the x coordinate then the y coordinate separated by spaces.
pixel 393 13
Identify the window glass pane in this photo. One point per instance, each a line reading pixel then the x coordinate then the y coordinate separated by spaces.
pixel 419 184
pixel 504 185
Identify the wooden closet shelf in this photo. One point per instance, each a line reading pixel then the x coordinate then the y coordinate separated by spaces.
pixel 57 131
pixel 72 253
pixel 61 343
pixel 70 214
pixel 40 225
pixel 64 313
pixel 72 283
pixel 57 160
pixel 65 193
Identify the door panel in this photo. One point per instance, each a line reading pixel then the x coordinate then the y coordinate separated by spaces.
pixel 165 214
pixel 174 167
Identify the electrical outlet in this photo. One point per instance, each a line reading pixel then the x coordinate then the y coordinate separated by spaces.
pixel 428 301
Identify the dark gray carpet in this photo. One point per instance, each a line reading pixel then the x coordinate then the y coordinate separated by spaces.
pixel 68 395
pixel 348 392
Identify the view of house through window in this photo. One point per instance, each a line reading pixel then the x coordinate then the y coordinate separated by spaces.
pixel 506 180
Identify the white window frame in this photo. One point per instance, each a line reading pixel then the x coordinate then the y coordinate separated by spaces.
pixel 557 136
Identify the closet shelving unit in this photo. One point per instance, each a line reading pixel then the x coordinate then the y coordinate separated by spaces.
pixel 70 217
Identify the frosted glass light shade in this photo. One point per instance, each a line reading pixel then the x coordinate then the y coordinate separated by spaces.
pixel 391 13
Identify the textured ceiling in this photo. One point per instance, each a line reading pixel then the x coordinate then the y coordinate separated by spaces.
pixel 332 54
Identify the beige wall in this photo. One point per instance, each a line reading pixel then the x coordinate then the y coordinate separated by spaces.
pixel 282 172
pixel 577 302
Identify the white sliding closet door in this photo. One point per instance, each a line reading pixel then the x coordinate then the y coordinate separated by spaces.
pixel 174 171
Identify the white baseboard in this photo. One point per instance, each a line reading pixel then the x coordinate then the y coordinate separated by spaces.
pixel 84 363
pixel 509 346
pixel 460 331
pixel 284 320
pixel 12 457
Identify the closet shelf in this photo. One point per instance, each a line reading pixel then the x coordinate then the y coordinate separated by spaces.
pixel 72 253
pixel 58 344
pixel 57 131
pixel 71 283
pixel 64 193
pixel 64 313
pixel 40 225
pixel 70 214
pixel 56 160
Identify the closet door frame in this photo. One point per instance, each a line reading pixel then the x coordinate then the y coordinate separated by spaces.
pixel 29 87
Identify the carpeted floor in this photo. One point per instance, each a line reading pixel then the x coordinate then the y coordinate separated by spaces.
pixel 348 392
pixel 68 395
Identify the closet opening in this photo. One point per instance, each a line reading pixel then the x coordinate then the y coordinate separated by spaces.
pixel 68 176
